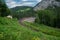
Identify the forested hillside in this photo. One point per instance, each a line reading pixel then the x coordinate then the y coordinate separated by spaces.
pixel 22 11
pixel 49 16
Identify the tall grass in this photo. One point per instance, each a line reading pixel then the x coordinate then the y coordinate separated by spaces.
pixel 10 29
pixel 43 28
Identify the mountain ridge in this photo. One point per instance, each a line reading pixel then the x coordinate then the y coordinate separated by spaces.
pixel 22 11
pixel 45 3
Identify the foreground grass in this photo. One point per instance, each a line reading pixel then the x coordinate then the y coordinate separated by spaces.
pixel 10 29
pixel 43 28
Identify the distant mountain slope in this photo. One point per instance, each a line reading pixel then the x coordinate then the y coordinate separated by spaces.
pixel 20 8
pixel 22 11
pixel 45 3
pixel 48 13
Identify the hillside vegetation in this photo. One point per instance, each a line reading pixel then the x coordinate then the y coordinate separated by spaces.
pixel 22 11
pixel 43 28
pixel 49 16
pixel 10 29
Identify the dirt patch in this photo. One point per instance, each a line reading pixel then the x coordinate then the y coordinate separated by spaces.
pixel 28 19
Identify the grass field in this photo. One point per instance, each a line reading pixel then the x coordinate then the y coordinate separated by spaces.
pixel 45 29
pixel 10 29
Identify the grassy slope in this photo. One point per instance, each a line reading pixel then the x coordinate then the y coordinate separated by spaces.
pixel 10 29
pixel 43 28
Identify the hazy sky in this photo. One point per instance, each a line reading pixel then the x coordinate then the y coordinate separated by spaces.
pixel 14 3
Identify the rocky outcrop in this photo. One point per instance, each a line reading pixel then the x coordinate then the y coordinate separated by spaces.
pixel 45 3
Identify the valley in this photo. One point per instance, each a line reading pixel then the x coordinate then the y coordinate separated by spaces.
pixel 39 22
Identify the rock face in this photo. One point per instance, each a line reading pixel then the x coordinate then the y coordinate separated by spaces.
pixel 45 3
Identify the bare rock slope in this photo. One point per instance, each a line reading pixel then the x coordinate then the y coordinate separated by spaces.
pixel 45 3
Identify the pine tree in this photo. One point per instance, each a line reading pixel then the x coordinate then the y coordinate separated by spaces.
pixel 4 11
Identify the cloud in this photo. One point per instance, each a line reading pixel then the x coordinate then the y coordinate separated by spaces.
pixel 14 3
pixel 38 0
pixel 24 0
pixel 11 3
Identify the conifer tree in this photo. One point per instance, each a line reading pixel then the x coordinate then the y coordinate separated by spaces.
pixel 4 11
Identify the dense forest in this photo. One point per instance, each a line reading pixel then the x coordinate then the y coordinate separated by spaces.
pixel 49 16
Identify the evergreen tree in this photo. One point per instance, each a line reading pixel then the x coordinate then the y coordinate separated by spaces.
pixel 4 11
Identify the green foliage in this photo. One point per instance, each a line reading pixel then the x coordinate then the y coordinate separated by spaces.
pixel 49 32
pixel 22 11
pixel 49 16
pixel 43 28
pixel 4 11
pixel 10 29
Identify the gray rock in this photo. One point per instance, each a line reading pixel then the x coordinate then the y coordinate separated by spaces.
pixel 45 3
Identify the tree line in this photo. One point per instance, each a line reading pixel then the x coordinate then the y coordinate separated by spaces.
pixel 49 16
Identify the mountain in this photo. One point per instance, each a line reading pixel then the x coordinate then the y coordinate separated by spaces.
pixel 45 3
pixel 20 8
pixel 22 11
pixel 48 13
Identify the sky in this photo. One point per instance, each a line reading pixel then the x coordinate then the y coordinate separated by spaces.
pixel 14 3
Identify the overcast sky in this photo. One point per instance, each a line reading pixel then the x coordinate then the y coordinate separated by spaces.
pixel 14 3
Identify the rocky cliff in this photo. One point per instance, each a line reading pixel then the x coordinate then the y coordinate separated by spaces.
pixel 45 3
